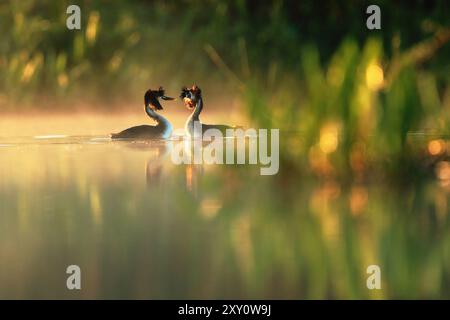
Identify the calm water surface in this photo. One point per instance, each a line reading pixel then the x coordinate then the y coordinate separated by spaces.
pixel 140 226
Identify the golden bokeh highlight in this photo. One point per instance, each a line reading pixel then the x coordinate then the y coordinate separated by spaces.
pixel 28 71
pixel 92 27
pixel 443 173
pixel 374 77
pixel 329 138
pixel 322 204
pixel 436 147
pixel 95 205
pixel 63 80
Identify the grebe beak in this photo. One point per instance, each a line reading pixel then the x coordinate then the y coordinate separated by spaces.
pixel 151 100
pixel 167 98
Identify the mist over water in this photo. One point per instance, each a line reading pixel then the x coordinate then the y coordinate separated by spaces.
pixel 140 226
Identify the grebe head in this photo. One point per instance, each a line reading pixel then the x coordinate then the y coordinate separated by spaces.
pixel 191 96
pixel 151 98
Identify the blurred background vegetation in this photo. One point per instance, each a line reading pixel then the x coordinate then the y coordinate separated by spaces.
pixel 126 46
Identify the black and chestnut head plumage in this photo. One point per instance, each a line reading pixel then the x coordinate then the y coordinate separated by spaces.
pixel 151 98
pixel 191 96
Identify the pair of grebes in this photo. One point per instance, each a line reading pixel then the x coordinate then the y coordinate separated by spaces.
pixel 193 100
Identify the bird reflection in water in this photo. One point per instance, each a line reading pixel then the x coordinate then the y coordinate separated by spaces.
pixel 153 173
pixel 155 163
pixel 194 173
pixel 158 154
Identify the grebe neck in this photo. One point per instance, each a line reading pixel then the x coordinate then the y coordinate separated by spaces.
pixel 160 120
pixel 198 109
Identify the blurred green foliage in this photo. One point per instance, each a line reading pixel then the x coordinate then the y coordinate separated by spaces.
pixel 126 46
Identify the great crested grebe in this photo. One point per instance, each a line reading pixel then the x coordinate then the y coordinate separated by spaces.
pixel 162 129
pixel 193 100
